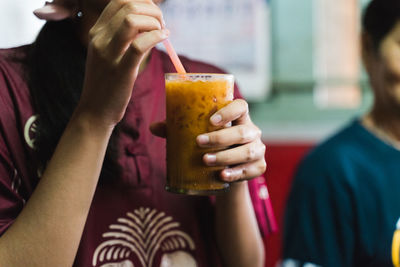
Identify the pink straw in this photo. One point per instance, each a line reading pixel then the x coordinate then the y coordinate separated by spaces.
pixel 174 57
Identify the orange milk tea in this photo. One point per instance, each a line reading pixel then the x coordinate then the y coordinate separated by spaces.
pixel 191 100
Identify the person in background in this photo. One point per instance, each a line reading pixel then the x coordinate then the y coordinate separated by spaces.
pixel 344 206
pixel 81 176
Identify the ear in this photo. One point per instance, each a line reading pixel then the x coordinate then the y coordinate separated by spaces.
pixel 54 11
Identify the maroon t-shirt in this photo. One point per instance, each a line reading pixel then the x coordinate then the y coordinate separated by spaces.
pixel 134 221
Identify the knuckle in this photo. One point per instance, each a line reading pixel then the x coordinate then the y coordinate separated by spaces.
pixel 251 153
pixel 132 7
pixel 136 48
pixel 215 139
pixel 258 132
pixel 158 34
pixel 244 104
pixel 262 167
pixel 157 26
pixel 121 2
pixel 263 148
pixel 92 33
pixel 98 48
pixel 242 132
pixel 159 12
pixel 129 21
pixel 221 159
pixel 243 173
pixel 96 45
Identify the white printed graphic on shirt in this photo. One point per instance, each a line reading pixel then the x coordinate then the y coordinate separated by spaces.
pixel 30 130
pixel 29 135
pixel 16 182
pixel 142 234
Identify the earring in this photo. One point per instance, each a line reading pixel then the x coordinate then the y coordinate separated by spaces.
pixel 79 14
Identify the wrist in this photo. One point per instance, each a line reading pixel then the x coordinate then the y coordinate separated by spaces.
pixel 237 187
pixel 88 124
pixel 237 190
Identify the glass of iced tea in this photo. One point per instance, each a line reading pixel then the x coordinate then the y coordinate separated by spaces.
pixel 191 100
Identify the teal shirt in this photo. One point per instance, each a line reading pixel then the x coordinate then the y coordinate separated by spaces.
pixel 344 203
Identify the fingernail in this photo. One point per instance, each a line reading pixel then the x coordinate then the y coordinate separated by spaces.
pixel 210 158
pixel 203 139
pixel 215 119
pixel 228 173
pixel 163 23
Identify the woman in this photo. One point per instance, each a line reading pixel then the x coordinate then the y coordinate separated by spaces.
pixel 91 124
pixel 344 205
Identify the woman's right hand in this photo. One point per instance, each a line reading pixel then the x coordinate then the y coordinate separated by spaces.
pixel 125 31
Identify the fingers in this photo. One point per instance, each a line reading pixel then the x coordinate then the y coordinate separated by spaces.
pixel 242 154
pixel 136 8
pixel 121 22
pixel 142 44
pixel 240 134
pixel 129 28
pixel 115 6
pixel 237 111
pixel 245 171
pixel 159 129
pixel 248 157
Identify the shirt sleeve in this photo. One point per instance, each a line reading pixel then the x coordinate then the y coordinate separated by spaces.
pixel 10 201
pixel 319 224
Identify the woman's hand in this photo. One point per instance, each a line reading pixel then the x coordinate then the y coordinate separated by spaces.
pixel 244 158
pixel 125 31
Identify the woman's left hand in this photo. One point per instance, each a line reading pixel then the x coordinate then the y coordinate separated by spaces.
pixel 244 157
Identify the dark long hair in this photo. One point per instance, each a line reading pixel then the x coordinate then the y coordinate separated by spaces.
pixel 379 19
pixel 55 69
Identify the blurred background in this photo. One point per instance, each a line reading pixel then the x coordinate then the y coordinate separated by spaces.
pixel 297 62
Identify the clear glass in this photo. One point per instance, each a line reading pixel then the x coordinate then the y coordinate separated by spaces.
pixel 191 100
